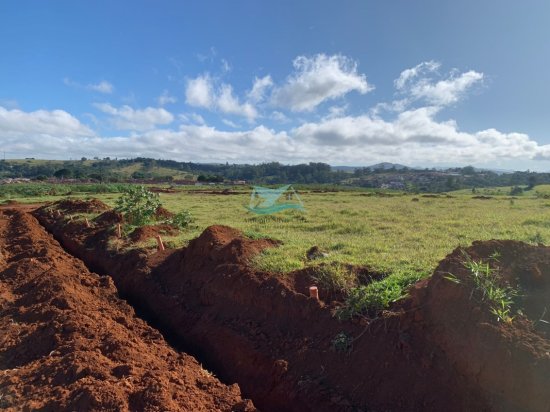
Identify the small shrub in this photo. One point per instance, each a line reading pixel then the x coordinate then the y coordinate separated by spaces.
pixel 138 205
pixel 181 220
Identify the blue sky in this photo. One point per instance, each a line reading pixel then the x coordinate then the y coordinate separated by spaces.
pixel 348 83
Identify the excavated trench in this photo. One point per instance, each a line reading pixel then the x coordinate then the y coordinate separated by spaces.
pixel 68 342
pixel 436 350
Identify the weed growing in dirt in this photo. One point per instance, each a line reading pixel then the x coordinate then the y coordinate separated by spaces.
pixel 342 342
pixel 138 205
pixel 335 278
pixel 376 296
pixel 488 288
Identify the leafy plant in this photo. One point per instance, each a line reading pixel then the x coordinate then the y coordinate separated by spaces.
pixel 489 288
pixel 377 295
pixel 138 205
pixel 182 219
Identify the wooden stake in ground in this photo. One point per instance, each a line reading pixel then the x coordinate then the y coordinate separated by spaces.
pixel 87 222
pixel 160 245
pixel 314 292
pixel 118 231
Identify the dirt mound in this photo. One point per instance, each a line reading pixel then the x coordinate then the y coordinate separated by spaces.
pixel 482 197
pixel 437 350
pixel 82 206
pixel 509 361
pixel 223 244
pixel 143 233
pixel 110 217
pixel 69 343
pixel 162 213
pixel 523 266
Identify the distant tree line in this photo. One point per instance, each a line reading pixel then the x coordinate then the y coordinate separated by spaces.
pixel 414 180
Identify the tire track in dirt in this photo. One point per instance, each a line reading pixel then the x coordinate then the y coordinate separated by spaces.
pixel 68 342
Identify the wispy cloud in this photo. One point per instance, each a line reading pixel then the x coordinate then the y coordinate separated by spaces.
pixel 128 118
pixel 166 98
pixel 101 87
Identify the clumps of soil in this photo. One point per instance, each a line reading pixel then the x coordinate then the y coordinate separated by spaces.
pixel 143 233
pixel 524 267
pixel 69 343
pixel 415 199
pixel 508 361
pixel 315 252
pixel 162 213
pixel 110 217
pixel 481 197
pixel 82 206
pixel 224 244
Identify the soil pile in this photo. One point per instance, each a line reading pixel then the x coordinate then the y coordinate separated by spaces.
pixel 69 343
pixel 110 217
pixel 224 245
pixel 438 350
pixel 509 361
pixel 162 213
pixel 82 206
pixel 141 234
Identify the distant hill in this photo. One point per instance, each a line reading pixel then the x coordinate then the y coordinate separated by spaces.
pixel 349 169
pixel 387 166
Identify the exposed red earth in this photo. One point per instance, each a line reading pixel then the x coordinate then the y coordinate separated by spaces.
pixel 440 349
pixel 69 343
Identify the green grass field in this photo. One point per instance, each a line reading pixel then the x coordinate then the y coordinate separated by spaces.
pixel 393 234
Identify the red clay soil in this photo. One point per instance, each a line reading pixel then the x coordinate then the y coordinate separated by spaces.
pixel 110 217
pixel 82 206
pixel 162 213
pixel 438 350
pixel 143 233
pixel 68 343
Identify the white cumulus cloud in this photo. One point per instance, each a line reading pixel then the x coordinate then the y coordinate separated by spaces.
pixel 128 118
pixel 199 91
pixel 202 92
pixel 317 79
pixel 421 83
